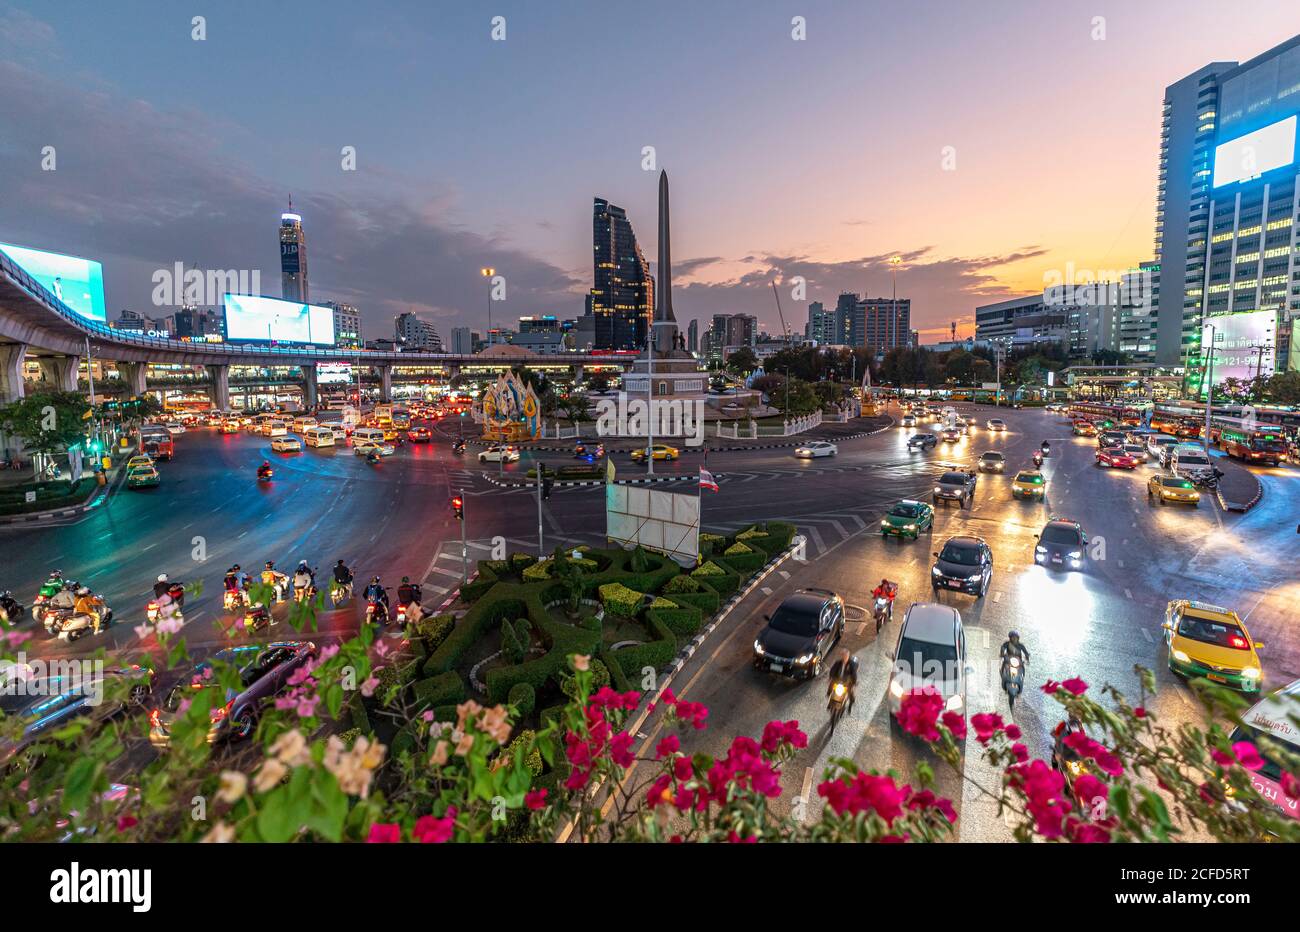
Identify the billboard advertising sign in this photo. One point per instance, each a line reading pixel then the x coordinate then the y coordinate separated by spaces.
pixel 666 522
pixel 1243 345
pixel 333 373
pixel 289 258
pixel 78 283
pixel 1251 155
pixel 251 317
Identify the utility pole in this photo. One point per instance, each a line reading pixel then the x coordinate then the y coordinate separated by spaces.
pixel 464 545
pixel 541 547
pixel 1209 386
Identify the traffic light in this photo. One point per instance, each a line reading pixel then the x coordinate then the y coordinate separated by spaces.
pixel 458 506
pixel 547 482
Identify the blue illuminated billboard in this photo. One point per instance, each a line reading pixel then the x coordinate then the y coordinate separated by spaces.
pixel 251 317
pixel 1251 155
pixel 78 283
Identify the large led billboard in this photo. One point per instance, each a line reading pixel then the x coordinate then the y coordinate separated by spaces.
pixel 78 283
pixel 1243 345
pixel 1251 155
pixel 333 373
pixel 251 317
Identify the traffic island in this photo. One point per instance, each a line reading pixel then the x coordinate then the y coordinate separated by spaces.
pixel 1239 489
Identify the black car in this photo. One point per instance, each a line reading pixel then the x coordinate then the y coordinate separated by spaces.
pixel 799 637
pixel 1062 543
pixel 47 704
pixel 956 487
pixel 922 441
pixel 965 564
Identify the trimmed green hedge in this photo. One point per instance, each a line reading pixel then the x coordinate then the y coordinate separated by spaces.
pixel 356 709
pixel 432 630
pixel 683 620
pixel 707 602
pixel 723 585
pixel 443 689
pixel 621 600
pixel 744 564
pixel 482 616
pixel 618 679
pixel 523 697
pixel 656 654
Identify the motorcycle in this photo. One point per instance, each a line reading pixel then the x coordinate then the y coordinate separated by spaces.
pixel 883 611
pixel 376 612
pixel 264 475
pixel 838 702
pixel 153 611
pixel 1013 678
pixel 54 618
pixel 10 609
pixel 373 459
pixel 340 593
pixel 458 446
pixel 49 589
pixel 234 599
pixel 304 593
pixel 79 625
pixel 1046 448
pixel 1038 458
pixel 257 618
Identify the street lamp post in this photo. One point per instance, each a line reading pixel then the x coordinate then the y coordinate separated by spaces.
pixel 894 263
pixel 1209 387
pixel 487 272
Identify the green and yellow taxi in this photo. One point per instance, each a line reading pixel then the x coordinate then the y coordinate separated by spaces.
pixel 1172 489
pixel 1211 641
pixel 660 451
pixel 1029 483
pixel 142 477
pixel 138 460
pixel 907 519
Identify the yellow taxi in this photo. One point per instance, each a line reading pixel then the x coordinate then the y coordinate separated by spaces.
pixel 390 432
pixel 660 451
pixel 1211 641
pixel 229 426
pixel 1028 483
pixel 139 460
pixel 1172 489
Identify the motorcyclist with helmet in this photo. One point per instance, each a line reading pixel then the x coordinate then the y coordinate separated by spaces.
pixel 1014 647
pixel 343 578
pixel 264 471
pixel 844 670
pixel 304 581
pixel 89 604
pixel 273 577
pixel 408 595
pixel 375 592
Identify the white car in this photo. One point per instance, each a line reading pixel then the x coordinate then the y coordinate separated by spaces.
pixel 816 448
pixel 909 420
pixel 175 427
pixel 366 447
pixel 997 423
pixel 931 651
pixel 286 445
pixel 499 454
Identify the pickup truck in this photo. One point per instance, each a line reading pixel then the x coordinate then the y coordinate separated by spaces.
pixel 955 486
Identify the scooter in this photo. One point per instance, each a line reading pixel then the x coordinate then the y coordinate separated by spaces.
pixel 79 625
pixel 883 611
pixel 1046 448
pixel 376 612
pixel 1013 678
pixel 340 593
pixel 10 609
pixel 305 593
pixel 152 610
pixel 234 599
pixel 837 703
pixel 257 617
pixel 49 589
pixel 458 446
pixel 264 475
pixel 1038 457
pixel 54 618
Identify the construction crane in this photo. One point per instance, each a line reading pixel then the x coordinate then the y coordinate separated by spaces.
pixel 776 294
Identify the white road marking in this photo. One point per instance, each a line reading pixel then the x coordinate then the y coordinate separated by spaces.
pixel 997 597
pixel 1128 595
pixel 807 788
pixel 765 590
pixel 1147 635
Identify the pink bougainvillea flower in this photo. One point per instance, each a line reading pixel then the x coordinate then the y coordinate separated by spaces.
pixel 1140 712
pixel 660 792
pixel 620 749
pixel 683 769
pixel 1290 784
pixel 918 712
pixel 1223 758
pixel 1086 833
pixel 875 792
pixel 1088 789
pixel 434 831
pixel 384 834
pixel 667 746
pixel 1051 686
pixel 1013 731
pixel 1075 686
pixel 778 734
pixel 986 725
pixel 535 799
pixel 1020 752
pixel 125 822
pixel 1044 789
pixel 737 840
pixel 955 723
pixel 1247 755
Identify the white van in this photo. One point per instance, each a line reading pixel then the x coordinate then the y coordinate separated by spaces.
pixel 1272 717
pixel 340 432
pixel 1155 443
pixel 276 428
pixel 300 424
pixel 367 435
pixel 1190 462
pixel 317 436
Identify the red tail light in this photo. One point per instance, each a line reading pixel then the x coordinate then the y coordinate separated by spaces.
pixel 155 718
pixel 218 715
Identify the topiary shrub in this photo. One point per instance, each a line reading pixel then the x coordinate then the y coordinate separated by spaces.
pixel 621 600
pixel 723 583
pixel 515 642
pixel 639 562
pixel 432 630
pixel 684 621
pixel 707 601
pixel 655 654
pixel 443 689
pixel 525 743
pixel 521 561
pixel 681 583
pixel 661 602
pixel 524 698
pixel 538 571
pixel 744 564
pixel 708 569
pixel 599 677
pixel 396 674
pixel 736 548
pixel 711 542
pixel 750 534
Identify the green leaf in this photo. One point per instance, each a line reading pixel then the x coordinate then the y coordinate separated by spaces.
pixel 80 783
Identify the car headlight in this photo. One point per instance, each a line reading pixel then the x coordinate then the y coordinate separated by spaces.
pixel 884 523
pixel 805 659
pixel 1181 656
pixel 954 703
pixel 896 689
pixel 1250 673
pixel 909 527
pixel 975 578
pixel 937 490
pixel 936 571
pixel 758 648
pixel 1076 554
pixel 1040 549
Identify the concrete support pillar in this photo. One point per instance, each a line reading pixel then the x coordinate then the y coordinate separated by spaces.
pixel 219 389
pixel 135 374
pixel 310 390
pixel 11 371
pixel 453 370
pixel 578 373
pixel 61 372
pixel 385 382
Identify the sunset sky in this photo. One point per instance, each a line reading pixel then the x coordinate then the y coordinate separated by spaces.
pixel 818 158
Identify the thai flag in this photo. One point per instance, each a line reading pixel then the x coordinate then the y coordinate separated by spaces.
pixel 707 481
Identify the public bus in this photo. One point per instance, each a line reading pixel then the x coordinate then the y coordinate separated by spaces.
pixel 1106 415
pixel 1248 441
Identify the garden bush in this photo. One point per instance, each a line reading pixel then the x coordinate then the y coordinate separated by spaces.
pixel 524 698
pixel 432 630
pixel 521 561
pixel 617 678
pixel 736 548
pixel 524 743
pixel 660 601
pixel 399 672
pixel 621 600
pixel 655 654
pixel 723 584
pixel 707 602
pixel 682 582
pixel 683 621
pixel 600 676
pixel 443 689
pixel 709 543
pixel 708 568
pixel 750 534
pixel 478 620
pixel 745 564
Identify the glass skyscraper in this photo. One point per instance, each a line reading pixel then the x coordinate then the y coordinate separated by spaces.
pixel 293 257
pixel 623 298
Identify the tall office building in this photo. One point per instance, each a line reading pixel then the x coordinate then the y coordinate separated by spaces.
pixel 462 340
pixel 293 257
pixel 887 323
pixel 821 324
pixel 347 325
pixel 850 321
pixel 546 323
pixel 693 336
pixel 414 333
pixel 1138 318
pixel 622 299
pixel 1243 208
